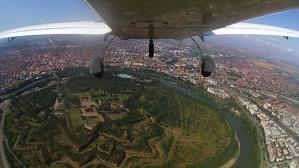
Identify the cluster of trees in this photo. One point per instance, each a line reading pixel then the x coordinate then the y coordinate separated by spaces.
pixel 81 158
pixel 159 103
pixel 33 103
pixel 84 143
pixel 116 156
pixel 28 105
pixel 71 100
pixel 47 130
pixel 46 155
pixel 7 130
pixel 109 83
pixel 131 118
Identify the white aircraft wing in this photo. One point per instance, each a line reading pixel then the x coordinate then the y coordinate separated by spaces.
pixel 255 29
pixel 85 27
pixel 175 19
pixel 179 19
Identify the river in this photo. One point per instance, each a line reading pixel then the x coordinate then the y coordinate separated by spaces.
pixel 245 158
pixel 26 87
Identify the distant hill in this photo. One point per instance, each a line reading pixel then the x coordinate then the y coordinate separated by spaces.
pixel 257 46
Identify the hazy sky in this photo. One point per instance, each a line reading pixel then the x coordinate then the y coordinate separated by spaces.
pixel 20 13
pixel 287 19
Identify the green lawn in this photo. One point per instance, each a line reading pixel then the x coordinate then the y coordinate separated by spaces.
pixel 75 118
pixel 92 120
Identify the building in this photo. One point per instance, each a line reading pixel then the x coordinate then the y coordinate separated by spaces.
pixel 1 104
pixel 275 133
pixel 89 111
pixel 88 108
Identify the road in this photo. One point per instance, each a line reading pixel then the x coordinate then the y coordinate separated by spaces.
pixel 4 161
pixel 2 152
pixel 289 99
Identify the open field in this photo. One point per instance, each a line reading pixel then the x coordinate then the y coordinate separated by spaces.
pixel 277 66
pixel 92 120
pixel 75 117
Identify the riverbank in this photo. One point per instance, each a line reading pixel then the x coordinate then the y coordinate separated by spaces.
pixel 234 159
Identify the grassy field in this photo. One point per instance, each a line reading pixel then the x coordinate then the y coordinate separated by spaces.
pixel 75 117
pixel 92 120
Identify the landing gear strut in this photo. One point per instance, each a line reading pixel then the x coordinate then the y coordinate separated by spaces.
pixel 151 48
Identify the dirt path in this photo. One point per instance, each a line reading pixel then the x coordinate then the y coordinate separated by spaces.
pixel 163 157
pixel 149 161
pixel 181 109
